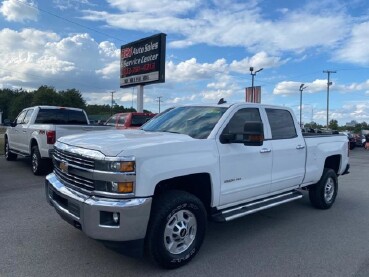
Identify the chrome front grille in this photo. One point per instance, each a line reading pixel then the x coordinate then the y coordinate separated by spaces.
pixel 74 170
pixel 73 181
pixel 74 159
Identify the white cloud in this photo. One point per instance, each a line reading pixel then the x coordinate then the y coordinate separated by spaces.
pixel 161 7
pixel 19 10
pixel 33 58
pixel 229 24
pixel 355 49
pixel 292 87
pixel 191 70
pixel 259 60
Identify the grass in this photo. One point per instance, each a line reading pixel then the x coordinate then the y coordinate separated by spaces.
pixel 2 131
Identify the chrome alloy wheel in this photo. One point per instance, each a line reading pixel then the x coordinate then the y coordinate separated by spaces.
pixel 34 162
pixel 180 232
pixel 329 190
pixel 6 150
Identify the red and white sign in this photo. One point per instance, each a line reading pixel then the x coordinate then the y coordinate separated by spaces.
pixel 253 96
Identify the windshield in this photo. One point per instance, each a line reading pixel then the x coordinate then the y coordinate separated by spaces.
pixel 197 122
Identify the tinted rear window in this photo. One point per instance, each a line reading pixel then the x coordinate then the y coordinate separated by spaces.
pixel 139 120
pixel 61 116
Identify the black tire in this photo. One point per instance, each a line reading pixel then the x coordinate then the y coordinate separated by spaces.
pixel 323 194
pixel 38 164
pixel 179 219
pixel 9 156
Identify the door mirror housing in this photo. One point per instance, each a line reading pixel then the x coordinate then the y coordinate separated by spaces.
pixel 252 135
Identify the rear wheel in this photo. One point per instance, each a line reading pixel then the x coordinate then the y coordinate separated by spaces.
pixel 176 228
pixel 323 194
pixel 9 156
pixel 38 164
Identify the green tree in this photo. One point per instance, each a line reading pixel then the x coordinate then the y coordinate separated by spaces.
pixel 333 124
pixel 72 98
pixel 6 98
pixel 22 100
pixel 45 95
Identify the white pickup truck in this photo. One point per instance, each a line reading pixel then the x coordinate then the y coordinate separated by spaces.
pixel 35 130
pixel 160 184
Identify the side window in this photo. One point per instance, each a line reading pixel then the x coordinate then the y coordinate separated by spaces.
pixel 20 117
pixel 28 116
pixel 235 125
pixel 281 124
pixel 121 120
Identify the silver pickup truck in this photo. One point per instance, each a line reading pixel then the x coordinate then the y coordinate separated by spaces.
pixel 36 129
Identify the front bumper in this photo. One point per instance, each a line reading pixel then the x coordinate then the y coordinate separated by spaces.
pixel 88 212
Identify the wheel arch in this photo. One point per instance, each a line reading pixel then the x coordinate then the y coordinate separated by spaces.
pixel 198 184
pixel 32 143
pixel 333 162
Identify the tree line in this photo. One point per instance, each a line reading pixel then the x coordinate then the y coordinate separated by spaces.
pixel 12 101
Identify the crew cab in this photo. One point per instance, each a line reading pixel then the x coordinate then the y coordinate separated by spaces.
pixel 35 130
pixel 159 185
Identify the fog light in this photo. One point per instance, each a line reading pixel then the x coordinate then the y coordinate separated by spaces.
pixel 116 217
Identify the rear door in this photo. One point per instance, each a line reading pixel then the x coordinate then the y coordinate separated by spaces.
pixel 289 151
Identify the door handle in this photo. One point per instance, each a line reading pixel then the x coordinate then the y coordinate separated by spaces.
pixel 298 147
pixel 265 150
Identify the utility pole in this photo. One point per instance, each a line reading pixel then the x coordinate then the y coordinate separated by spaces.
pixel 252 81
pixel 329 83
pixel 159 101
pixel 112 101
pixel 302 87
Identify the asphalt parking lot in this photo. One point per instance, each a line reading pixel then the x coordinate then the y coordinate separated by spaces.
pixel 290 240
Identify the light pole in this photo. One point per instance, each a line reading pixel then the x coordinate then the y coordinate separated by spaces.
pixel 302 87
pixel 112 101
pixel 329 83
pixel 252 81
pixel 159 101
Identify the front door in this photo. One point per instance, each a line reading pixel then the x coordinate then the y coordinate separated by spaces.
pixel 245 171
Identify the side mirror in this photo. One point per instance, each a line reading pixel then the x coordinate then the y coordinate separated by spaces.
pixel 13 124
pixel 253 133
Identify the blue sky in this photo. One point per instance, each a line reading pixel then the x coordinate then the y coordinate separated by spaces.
pixel 210 48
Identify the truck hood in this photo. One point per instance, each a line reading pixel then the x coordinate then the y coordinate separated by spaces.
pixel 113 142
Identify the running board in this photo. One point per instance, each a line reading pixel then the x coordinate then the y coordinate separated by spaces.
pixel 231 213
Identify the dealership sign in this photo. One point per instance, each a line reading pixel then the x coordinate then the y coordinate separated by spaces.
pixel 143 61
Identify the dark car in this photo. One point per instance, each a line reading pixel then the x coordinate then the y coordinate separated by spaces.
pixel 352 141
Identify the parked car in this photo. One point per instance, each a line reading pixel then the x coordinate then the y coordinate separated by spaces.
pixel 129 120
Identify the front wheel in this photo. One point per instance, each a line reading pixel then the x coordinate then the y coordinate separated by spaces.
pixel 176 228
pixel 9 156
pixel 323 194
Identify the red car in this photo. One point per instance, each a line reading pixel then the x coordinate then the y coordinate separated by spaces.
pixel 129 120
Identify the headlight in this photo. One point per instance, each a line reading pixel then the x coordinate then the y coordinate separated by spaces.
pixel 116 166
pixel 122 166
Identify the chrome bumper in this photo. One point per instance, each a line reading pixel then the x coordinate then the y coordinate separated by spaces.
pixel 91 214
